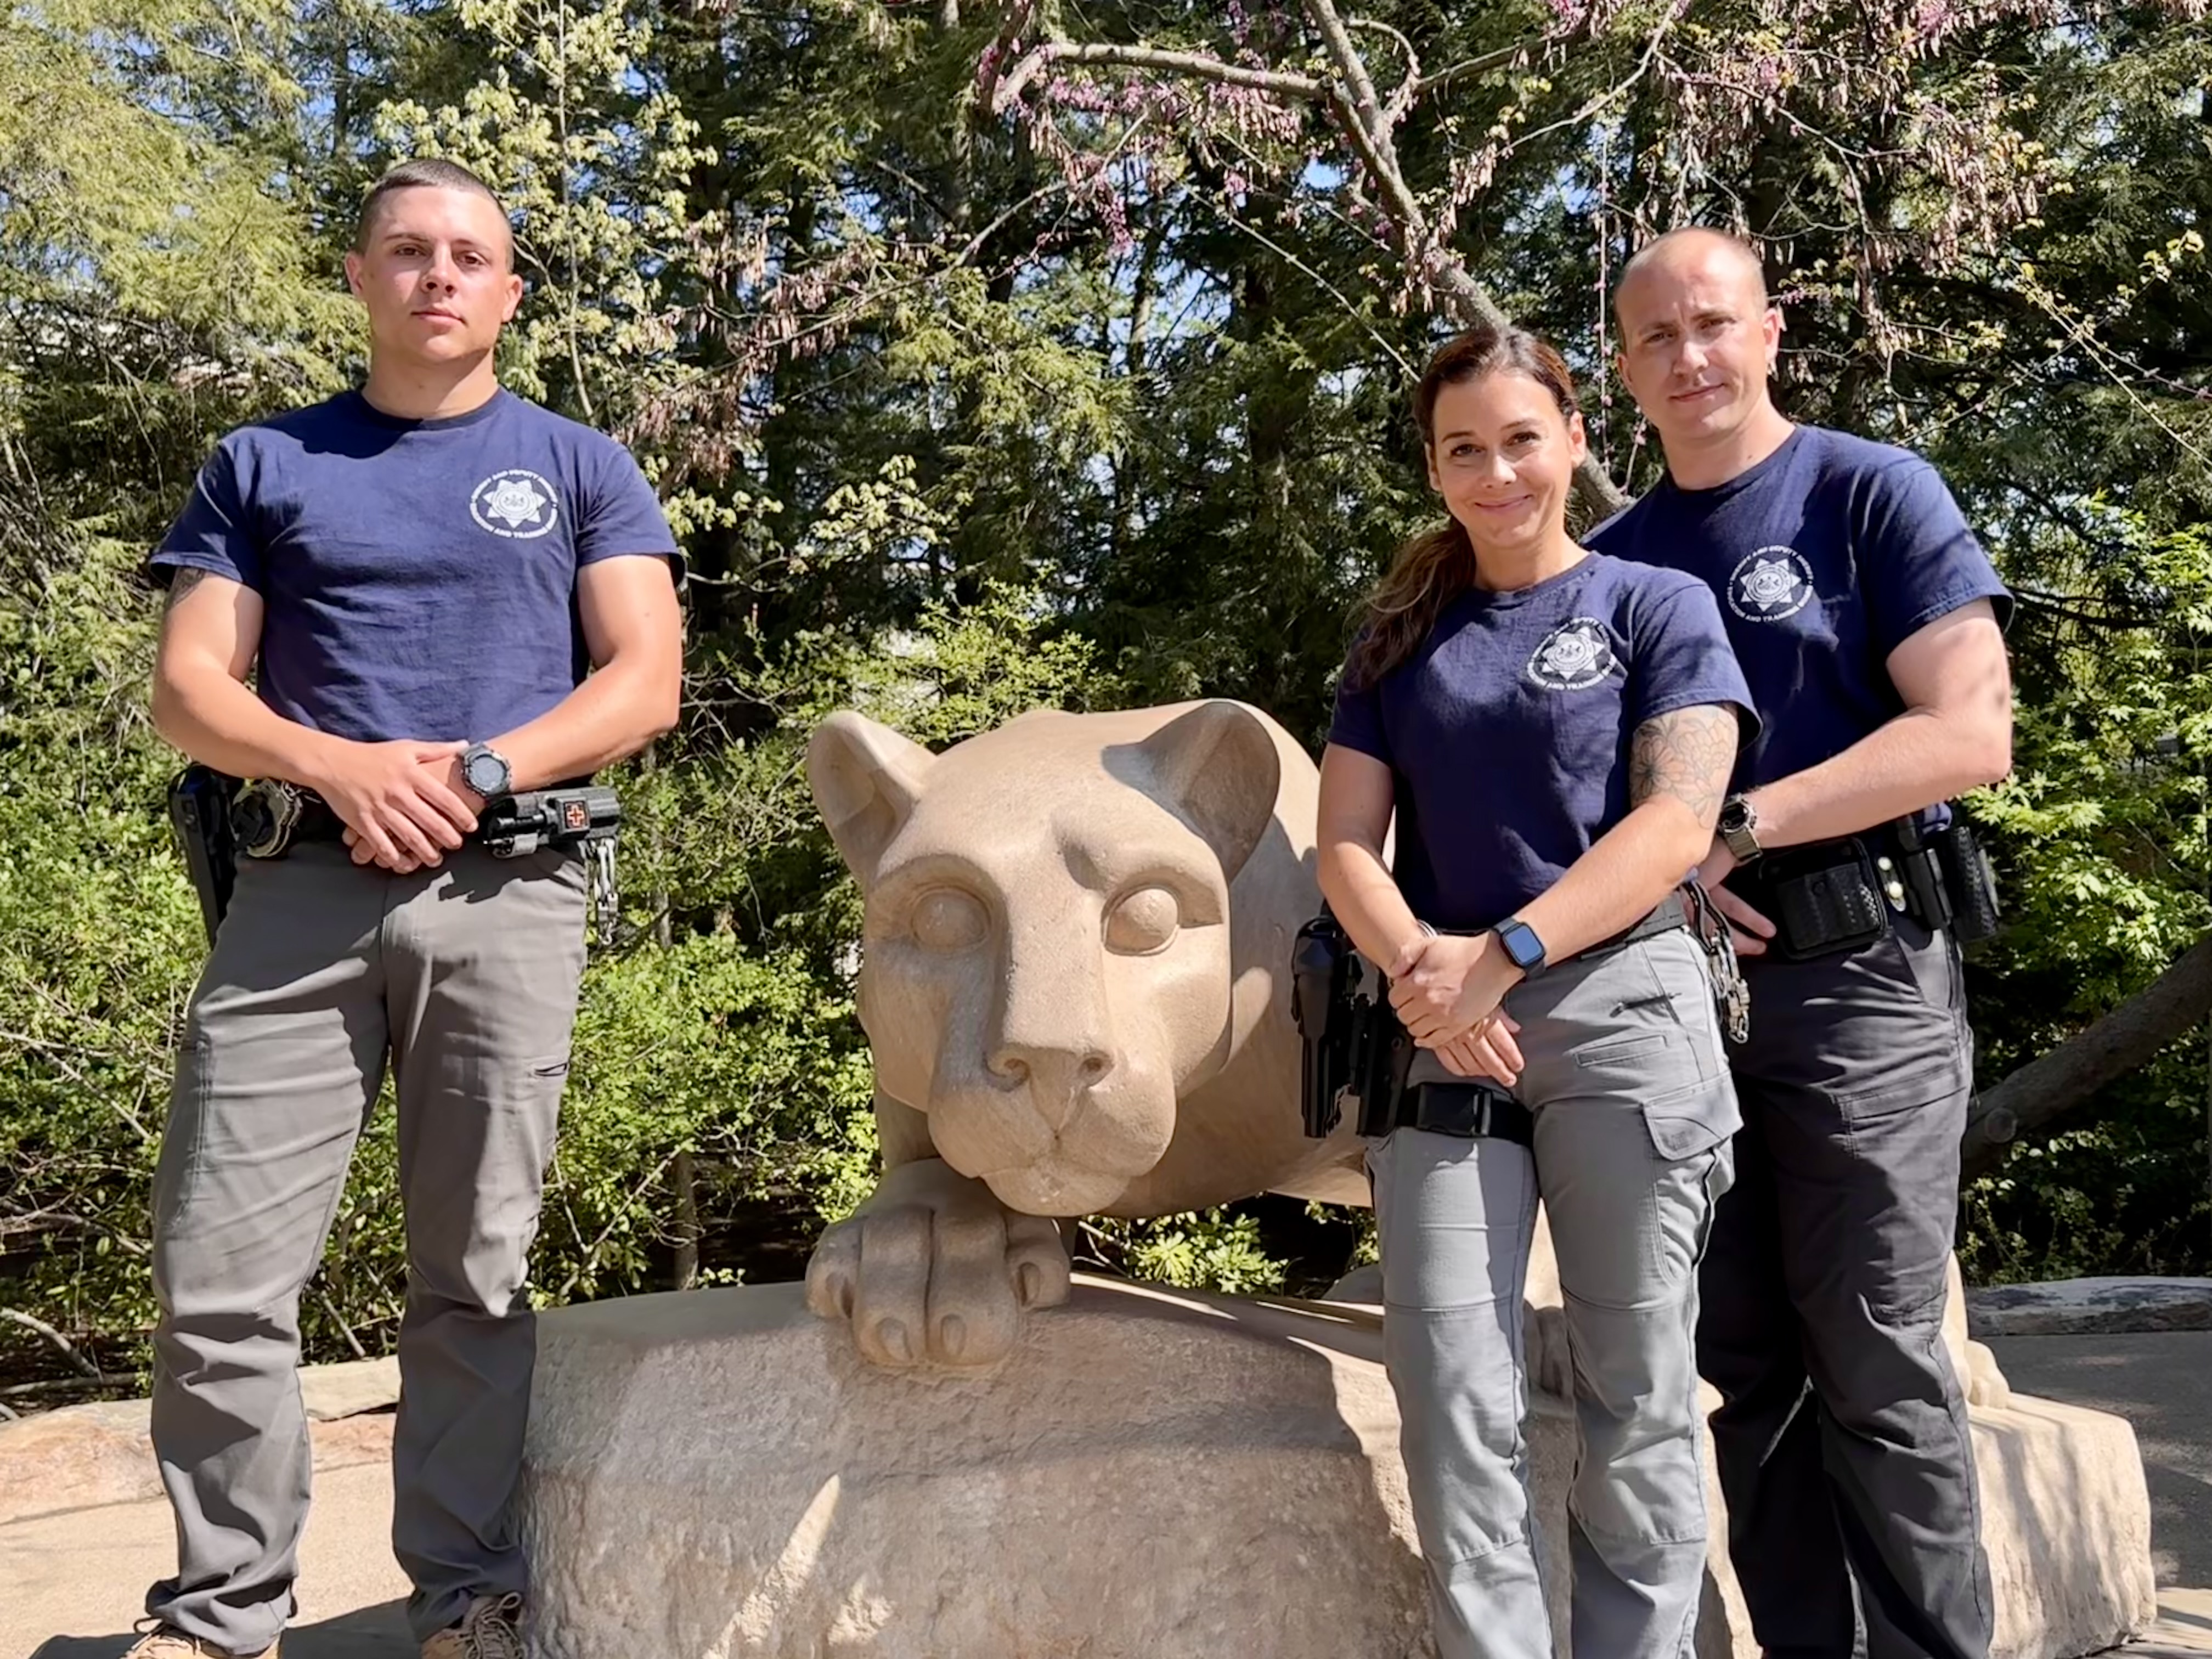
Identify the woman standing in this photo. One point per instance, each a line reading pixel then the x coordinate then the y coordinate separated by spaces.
pixel 1554 730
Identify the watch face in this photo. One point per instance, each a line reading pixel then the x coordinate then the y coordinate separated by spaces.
pixel 486 775
pixel 1735 815
pixel 1522 944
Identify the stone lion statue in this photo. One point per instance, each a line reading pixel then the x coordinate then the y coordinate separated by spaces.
pixel 1074 984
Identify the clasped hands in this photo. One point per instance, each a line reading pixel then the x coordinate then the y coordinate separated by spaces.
pixel 1446 989
pixel 405 805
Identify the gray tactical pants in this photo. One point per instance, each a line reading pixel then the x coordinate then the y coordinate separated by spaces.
pixel 1853 1519
pixel 1633 1110
pixel 465 977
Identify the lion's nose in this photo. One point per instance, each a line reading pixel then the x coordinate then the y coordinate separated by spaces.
pixel 1055 1075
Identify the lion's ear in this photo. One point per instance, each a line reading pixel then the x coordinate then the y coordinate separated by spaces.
pixel 1217 769
pixel 865 780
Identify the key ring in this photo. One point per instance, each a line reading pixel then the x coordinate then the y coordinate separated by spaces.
pixel 1731 992
pixel 599 858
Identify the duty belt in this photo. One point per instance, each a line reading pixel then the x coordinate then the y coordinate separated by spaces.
pixel 1474 1109
pixel 1666 916
pixel 1832 896
pixel 1356 1055
pixel 269 816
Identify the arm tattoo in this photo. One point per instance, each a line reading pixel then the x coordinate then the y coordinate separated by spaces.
pixel 1686 753
pixel 187 578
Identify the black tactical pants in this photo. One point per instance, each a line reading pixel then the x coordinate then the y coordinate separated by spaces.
pixel 1841 1442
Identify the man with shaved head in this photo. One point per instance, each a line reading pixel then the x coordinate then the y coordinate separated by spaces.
pixel 1867 622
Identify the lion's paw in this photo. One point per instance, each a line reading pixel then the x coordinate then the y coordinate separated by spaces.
pixel 933 1270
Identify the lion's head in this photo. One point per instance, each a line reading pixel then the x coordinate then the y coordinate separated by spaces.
pixel 1047 959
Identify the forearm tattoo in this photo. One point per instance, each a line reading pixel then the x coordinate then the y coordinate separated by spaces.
pixel 1688 753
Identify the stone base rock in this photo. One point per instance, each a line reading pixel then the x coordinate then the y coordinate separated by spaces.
pixel 718 1474
pixel 2066 1521
pixel 1152 1475
pixel 81 1456
pixel 2091 1307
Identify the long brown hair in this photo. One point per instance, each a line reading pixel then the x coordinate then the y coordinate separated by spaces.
pixel 1438 565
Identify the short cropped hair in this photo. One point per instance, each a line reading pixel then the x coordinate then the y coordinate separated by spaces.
pixel 432 171
pixel 1654 250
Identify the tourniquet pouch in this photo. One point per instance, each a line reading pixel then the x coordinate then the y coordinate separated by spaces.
pixel 1822 899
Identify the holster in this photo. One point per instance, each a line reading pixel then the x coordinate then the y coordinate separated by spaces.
pixel 1384 1058
pixel 1961 873
pixel 199 814
pixel 1354 1053
pixel 1320 959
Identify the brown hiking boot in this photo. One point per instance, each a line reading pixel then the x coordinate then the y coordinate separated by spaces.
pixel 486 1631
pixel 167 1641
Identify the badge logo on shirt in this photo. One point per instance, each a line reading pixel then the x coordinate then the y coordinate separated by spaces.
pixel 1771 584
pixel 517 504
pixel 1573 657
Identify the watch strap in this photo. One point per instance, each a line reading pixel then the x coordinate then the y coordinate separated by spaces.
pixel 1739 828
pixel 1512 925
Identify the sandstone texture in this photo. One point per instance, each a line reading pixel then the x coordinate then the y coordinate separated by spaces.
pixel 1148 1473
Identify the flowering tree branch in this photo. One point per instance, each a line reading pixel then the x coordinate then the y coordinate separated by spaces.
pixel 1417 237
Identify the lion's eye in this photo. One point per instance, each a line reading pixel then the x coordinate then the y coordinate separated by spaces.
pixel 947 919
pixel 1143 922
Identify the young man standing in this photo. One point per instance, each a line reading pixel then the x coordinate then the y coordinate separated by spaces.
pixel 1867 622
pixel 423 570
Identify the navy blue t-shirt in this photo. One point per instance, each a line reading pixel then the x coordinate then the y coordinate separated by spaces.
pixel 1507 732
pixel 1828 555
pixel 417 577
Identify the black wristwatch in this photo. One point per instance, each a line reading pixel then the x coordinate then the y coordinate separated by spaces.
pixel 1523 948
pixel 1739 828
pixel 485 770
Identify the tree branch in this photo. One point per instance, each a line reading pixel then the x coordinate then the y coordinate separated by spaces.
pixel 1409 86
pixel 55 1337
pixel 1355 94
pixel 1489 60
pixel 1195 65
pixel 2057 1082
